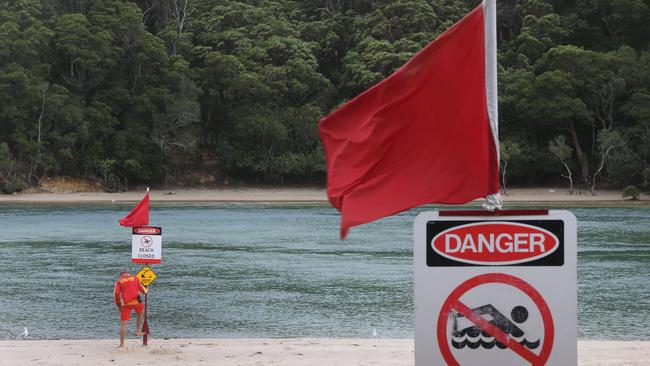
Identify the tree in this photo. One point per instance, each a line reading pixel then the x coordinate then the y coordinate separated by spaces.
pixel 607 142
pixel 85 52
pixel 562 152
pixel 173 129
pixel 509 151
pixel 552 100
pixel 258 74
pixel 10 180
pixel 619 15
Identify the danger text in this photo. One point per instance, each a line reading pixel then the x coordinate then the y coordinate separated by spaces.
pixel 495 243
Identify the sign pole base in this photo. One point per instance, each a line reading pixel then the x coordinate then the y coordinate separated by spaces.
pixel 145 325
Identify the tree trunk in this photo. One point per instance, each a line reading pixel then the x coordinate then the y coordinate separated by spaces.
pixel 582 157
pixel 503 177
pixel 569 176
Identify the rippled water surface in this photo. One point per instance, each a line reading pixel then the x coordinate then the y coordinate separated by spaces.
pixel 274 271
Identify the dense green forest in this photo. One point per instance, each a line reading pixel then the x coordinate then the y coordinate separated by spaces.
pixel 174 91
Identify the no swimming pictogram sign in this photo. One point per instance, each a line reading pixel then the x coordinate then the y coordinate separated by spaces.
pixel 495 289
pixel 499 327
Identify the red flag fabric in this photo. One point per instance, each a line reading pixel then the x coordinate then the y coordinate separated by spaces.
pixel 423 135
pixel 139 215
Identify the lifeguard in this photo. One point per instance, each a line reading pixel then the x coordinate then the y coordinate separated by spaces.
pixel 127 299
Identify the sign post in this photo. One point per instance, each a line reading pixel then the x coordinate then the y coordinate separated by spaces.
pixel 146 248
pixel 495 288
pixel 145 325
pixel 147 276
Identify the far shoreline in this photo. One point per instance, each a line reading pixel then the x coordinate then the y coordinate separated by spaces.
pixel 516 196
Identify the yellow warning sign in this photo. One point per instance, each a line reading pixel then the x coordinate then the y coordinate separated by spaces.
pixel 146 276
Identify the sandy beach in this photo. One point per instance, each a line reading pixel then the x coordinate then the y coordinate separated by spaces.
pixel 307 195
pixel 269 352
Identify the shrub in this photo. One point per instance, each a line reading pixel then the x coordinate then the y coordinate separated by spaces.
pixel 14 184
pixel 631 191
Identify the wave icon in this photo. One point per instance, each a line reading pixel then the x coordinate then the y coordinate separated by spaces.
pixel 490 344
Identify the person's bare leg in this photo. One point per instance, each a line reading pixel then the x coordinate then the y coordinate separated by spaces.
pixel 138 325
pixel 123 332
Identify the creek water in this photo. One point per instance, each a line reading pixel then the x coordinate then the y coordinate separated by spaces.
pixel 253 271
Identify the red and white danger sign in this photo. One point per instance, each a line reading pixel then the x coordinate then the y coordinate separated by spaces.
pixel 495 289
pixel 146 245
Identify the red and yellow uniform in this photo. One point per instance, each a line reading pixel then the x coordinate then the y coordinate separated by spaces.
pixel 126 296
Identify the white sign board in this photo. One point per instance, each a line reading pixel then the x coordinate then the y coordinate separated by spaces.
pixel 495 288
pixel 146 244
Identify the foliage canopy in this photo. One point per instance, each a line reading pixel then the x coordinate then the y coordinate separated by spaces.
pixel 155 91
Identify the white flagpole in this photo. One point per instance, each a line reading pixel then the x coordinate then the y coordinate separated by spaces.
pixel 493 201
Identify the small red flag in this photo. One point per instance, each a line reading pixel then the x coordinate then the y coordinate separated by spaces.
pixel 139 215
pixel 426 134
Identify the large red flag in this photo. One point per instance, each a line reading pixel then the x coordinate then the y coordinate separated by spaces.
pixel 139 215
pixel 426 134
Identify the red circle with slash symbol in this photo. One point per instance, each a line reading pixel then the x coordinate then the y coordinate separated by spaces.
pixel 453 303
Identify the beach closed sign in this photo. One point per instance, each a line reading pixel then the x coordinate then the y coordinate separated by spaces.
pixel 495 289
pixel 146 245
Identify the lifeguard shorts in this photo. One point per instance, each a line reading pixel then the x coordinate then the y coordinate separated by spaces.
pixel 125 311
